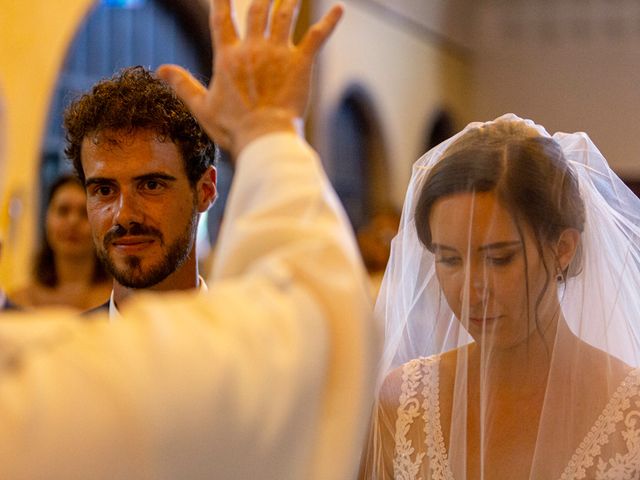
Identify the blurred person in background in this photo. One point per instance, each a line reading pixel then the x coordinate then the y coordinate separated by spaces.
pixel 66 270
pixel 374 241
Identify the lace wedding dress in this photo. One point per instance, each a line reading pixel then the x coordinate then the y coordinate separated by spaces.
pixel 419 408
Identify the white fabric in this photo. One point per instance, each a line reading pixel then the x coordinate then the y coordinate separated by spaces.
pixel 455 399
pixel 267 376
pixel 114 313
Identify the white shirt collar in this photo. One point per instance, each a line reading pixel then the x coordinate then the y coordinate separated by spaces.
pixel 114 313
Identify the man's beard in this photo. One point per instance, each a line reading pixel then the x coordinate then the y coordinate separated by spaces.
pixel 133 276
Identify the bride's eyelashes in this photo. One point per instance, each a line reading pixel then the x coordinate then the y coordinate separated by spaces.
pixel 500 260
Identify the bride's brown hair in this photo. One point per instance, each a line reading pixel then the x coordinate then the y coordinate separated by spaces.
pixel 527 172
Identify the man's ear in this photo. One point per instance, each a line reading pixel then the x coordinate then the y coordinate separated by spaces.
pixel 206 189
pixel 566 247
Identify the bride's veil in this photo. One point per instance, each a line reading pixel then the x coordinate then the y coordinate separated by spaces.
pixel 463 392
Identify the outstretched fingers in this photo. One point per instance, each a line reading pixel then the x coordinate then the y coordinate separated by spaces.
pixel 185 85
pixel 257 17
pixel 283 19
pixel 259 86
pixel 320 31
pixel 223 28
pixel 194 95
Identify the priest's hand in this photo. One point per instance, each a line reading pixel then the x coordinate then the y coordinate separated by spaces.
pixel 261 82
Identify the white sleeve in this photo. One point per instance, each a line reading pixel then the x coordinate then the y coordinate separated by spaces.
pixel 268 375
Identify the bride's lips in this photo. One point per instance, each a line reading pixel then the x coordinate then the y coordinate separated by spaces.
pixel 483 320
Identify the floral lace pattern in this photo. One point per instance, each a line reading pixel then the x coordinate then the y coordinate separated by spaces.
pixel 432 428
pixel 404 467
pixel 624 406
pixel 407 462
pixel 621 416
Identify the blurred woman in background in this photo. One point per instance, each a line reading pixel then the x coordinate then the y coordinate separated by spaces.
pixel 67 270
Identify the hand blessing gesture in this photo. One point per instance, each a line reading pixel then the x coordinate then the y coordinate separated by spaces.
pixel 261 82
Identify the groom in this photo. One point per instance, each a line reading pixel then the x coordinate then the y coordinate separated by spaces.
pixel 148 171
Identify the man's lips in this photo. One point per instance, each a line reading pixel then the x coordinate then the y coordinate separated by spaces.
pixel 129 244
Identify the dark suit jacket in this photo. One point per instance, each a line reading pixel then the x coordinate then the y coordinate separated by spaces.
pixel 9 305
pixel 101 308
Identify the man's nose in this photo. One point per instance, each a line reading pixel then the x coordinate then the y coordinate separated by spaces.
pixel 128 210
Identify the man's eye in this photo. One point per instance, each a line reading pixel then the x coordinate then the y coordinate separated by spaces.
pixel 103 191
pixel 152 185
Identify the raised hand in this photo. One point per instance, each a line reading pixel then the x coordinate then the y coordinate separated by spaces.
pixel 261 82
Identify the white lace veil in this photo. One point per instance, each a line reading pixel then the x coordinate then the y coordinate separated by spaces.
pixel 542 384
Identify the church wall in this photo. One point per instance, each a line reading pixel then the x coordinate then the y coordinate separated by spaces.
pixel 572 66
pixel 408 68
pixel 35 35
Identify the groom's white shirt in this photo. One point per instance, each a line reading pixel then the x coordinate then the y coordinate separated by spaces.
pixel 114 313
pixel 268 375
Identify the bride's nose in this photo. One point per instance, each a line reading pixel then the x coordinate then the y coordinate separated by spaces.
pixel 478 285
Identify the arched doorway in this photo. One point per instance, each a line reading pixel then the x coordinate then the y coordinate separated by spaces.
pixel 358 167
pixel 441 126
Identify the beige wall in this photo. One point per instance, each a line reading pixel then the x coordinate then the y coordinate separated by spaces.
pixel 570 67
pixel 407 74
pixel 34 38
pixel 566 67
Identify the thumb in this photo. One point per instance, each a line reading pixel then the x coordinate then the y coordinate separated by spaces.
pixel 190 91
pixel 193 94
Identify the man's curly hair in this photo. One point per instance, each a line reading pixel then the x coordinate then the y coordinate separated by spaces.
pixel 135 99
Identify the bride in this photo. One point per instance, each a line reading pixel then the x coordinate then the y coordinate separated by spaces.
pixel 512 314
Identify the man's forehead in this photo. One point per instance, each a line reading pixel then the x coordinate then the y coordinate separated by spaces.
pixel 107 138
pixel 126 157
pixel 135 144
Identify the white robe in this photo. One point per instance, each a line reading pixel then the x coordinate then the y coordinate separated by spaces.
pixel 267 376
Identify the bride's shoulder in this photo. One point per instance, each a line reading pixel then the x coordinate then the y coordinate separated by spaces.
pixel 600 365
pixel 409 374
pixel 415 365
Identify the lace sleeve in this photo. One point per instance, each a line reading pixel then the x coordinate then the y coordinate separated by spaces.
pixel 377 461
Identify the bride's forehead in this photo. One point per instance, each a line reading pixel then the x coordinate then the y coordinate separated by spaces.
pixel 477 214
